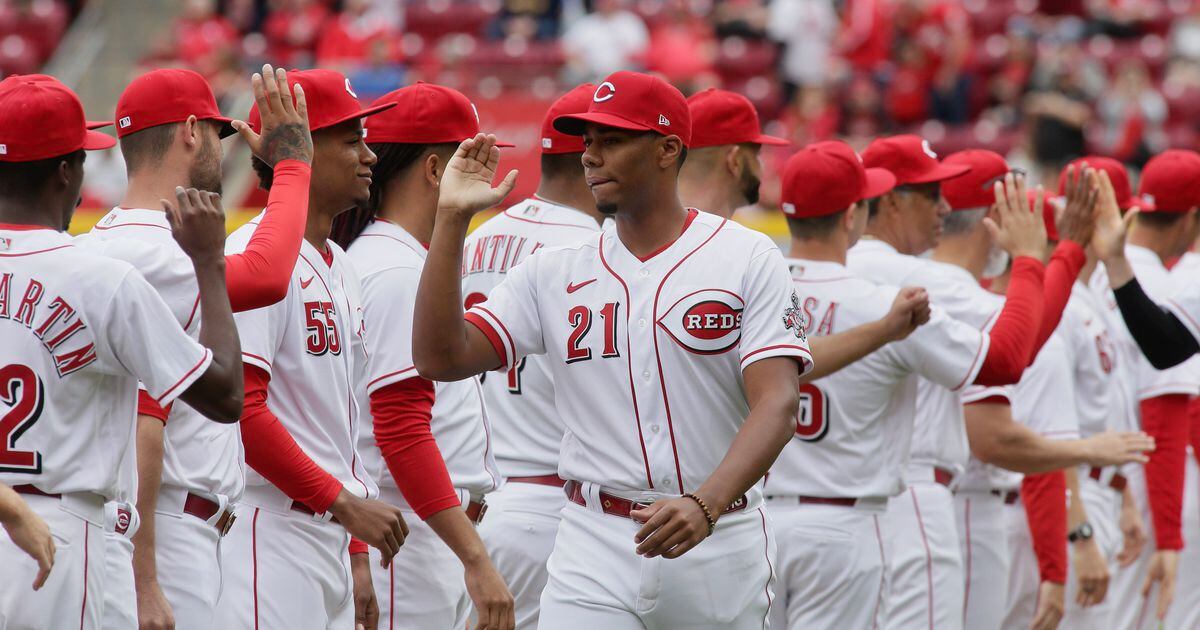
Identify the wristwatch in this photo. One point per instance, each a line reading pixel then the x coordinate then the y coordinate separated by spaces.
pixel 1082 532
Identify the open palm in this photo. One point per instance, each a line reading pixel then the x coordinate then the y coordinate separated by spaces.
pixel 467 183
pixel 1108 239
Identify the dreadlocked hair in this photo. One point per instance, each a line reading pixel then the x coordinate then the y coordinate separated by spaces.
pixel 393 158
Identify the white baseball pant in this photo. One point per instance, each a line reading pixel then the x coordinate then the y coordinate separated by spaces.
pixel 983 537
pixel 423 587
pixel 599 582
pixel 522 520
pixel 1103 505
pixel 831 567
pixel 1129 609
pixel 284 569
pixel 73 595
pixel 1024 578
pixel 188 556
pixel 926 563
pixel 1185 612
pixel 120 598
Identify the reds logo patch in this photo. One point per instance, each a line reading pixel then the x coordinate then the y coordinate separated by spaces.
pixel 793 318
pixel 708 321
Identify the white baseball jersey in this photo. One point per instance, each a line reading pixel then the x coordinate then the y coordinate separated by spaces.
pixel 647 354
pixel 198 455
pixel 853 434
pixel 1158 284
pixel 520 402
pixel 390 262
pixel 311 343
pixel 940 437
pixel 79 331
pixel 1184 301
pixel 1100 401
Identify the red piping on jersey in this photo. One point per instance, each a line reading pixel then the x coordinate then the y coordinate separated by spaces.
pixel 391 596
pixel 350 382
pixel 258 358
pixel 662 379
pixel 83 607
pixel 1183 311
pixel 401 241
pixel 967 565
pixel 40 251
pixel 928 557
pixel 807 354
pixel 203 358
pixel 489 331
pixel 629 366
pixel 254 561
pixel 512 356
pixel 192 316
pixel 487 432
pixel 770 567
pixel 819 280
pixel 974 362
pixel 113 227
pixel 687 223
pixel 389 375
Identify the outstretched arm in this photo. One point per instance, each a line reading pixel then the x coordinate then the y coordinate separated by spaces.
pixel 834 352
pixel 445 346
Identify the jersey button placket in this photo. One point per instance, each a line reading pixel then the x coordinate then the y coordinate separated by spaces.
pixel 645 372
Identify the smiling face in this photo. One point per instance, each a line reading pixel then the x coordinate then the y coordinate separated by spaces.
pixel 341 166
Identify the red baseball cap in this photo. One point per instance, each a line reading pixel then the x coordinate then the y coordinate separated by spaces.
pixel 330 100
pixel 41 118
pixel 166 96
pixel 974 189
pixel 1170 182
pixel 1049 209
pixel 1116 174
pixel 723 117
pixel 574 102
pixel 635 101
pixel 827 177
pixel 424 113
pixel 910 159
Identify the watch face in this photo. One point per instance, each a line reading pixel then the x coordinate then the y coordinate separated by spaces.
pixel 1085 531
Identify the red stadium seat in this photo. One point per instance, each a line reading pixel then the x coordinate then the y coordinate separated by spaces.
pixel 435 18
pixel 739 58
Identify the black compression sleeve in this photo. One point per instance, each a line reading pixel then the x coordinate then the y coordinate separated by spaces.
pixel 1164 339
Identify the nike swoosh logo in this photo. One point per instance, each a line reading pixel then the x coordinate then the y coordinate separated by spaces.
pixel 304 283
pixel 571 288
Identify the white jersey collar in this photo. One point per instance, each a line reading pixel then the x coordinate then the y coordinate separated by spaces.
pixel 384 227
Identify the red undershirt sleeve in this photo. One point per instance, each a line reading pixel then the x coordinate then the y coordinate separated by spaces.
pixel 1061 272
pixel 1163 417
pixel 147 406
pixel 259 276
pixel 1194 420
pixel 1011 344
pixel 273 453
pixel 402 412
pixel 1045 499
pixel 357 546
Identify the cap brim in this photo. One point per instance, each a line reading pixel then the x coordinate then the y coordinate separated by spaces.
pixel 226 126
pixel 95 141
pixel 879 181
pixel 941 173
pixel 574 124
pixel 98 124
pixel 771 141
pixel 362 113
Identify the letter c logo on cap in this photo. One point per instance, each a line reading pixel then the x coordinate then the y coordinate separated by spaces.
pixel 612 91
pixel 928 149
pixel 349 89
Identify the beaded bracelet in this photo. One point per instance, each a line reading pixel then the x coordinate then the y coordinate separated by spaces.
pixel 712 522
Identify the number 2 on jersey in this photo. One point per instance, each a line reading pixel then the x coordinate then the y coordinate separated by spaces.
pixel 812 421
pixel 21 390
pixel 580 319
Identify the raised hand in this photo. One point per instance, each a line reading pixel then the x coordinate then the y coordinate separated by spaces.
pixel 197 222
pixel 284 113
pixel 1108 239
pixel 1079 217
pixel 1019 231
pixel 467 183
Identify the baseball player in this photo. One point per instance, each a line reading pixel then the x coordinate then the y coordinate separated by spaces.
pixel 675 343
pixel 80 331
pixel 723 169
pixel 442 499
pixel 1165 228
pixel 170 129
pixel 285 561
pixel 927 579
pixel 523 514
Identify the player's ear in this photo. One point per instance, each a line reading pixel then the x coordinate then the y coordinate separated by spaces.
pixel 733 160
pixel 432 167
pixel 191 132
pixel 670 149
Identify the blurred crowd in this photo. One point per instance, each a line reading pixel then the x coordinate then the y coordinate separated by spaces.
pixel 1042 81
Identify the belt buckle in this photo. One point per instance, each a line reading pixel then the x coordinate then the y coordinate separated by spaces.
pixel 229 517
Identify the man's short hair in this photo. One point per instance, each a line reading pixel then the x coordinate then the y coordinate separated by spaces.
pixel 1160 219
pixel 562 165
pixel 147 148
pixel 815 227
pixel 24 180
pixel 265 172
pixel 963 221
